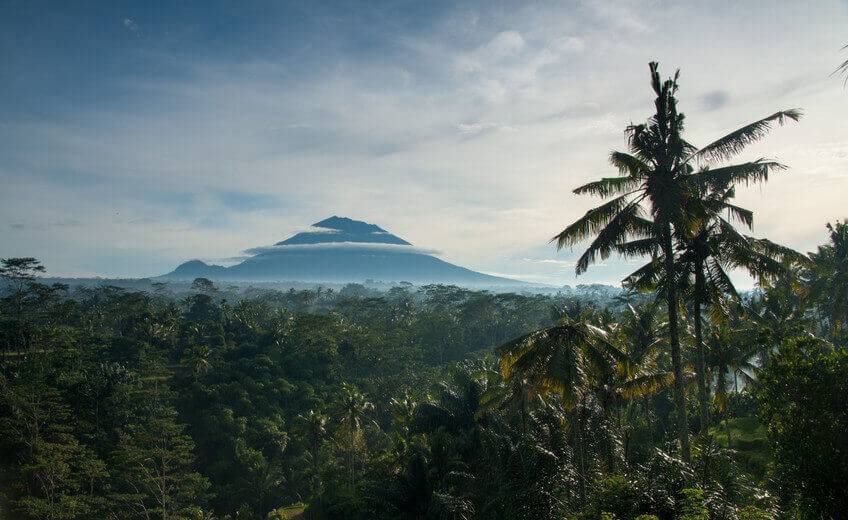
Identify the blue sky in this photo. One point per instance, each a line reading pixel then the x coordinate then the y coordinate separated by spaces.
pixel 136 135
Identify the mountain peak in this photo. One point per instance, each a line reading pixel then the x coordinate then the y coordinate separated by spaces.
pixel 348 224
pixel 340 249
pixel 343 229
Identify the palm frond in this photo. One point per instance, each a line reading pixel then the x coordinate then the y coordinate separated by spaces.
pixel 645 385
pixel 597 339
pixel 779 252
pixel 593 221
pixel 754 171
pixel 646 277
pixel 740 214
pixel 628 164
pixel 529 352
pixel 608 187
pixel 718 277
pixel 734 142
pixel 625 225
pixel 639 247
pixel 842 69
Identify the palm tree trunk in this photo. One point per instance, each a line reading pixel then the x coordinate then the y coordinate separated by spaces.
pixel 350 460
pixel 578 447
pixel 727 429
pixel 674 343
pixel 703 396
pixel 721 386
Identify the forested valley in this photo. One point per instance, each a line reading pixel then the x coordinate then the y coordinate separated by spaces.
pixel 680 398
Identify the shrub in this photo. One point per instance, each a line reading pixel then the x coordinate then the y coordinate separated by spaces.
pixel 754 513
pixel 692 505
pixel 802 403
pixel 616 496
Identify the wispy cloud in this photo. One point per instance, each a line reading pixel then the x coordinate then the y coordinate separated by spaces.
pixel 560 263
pixel 362 246
pixel 466 127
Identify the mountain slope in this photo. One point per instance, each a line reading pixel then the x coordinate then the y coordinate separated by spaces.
pixel 340 249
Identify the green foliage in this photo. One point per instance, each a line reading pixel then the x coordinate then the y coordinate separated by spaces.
pixel 616 496
pixel 754 513
pixel 801 400
pixel 233 407
pixel 829 282
pixel 692 505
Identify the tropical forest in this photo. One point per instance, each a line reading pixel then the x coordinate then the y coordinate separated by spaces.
pixel 677 396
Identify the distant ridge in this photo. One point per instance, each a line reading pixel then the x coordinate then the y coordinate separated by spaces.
pixel 340 249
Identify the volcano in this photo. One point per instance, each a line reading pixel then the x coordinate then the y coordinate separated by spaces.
pixel 340 250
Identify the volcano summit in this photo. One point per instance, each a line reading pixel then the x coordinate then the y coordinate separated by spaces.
pixel 339 249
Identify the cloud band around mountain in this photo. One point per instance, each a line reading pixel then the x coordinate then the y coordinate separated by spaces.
pixel 364 246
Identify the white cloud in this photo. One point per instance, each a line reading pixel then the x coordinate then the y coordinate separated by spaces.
pixel 478 127
pixel 620 16
pixel 363 246
pixel 559 263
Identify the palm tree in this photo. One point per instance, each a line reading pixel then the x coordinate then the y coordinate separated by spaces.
pixel 313 426
pixel 353 407
pixel 642 328
pixel 830 279
pixel 730 355
pixel 706 253
pixel 657 181
pixel 780 312
pixel 558 360
pixel 640 335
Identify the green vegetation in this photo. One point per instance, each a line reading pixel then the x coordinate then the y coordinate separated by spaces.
pixel 678 399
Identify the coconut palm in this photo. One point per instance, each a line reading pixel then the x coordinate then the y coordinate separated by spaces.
pixel 653 199
pixel 706 253
pixel 313 426
pixel 780 311
pixel 642 328
pixel 730 355
pixel 640 334
pixel 829 280
pixel 352 410
pixel 558 360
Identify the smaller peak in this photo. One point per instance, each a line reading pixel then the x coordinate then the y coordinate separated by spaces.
pixel 193 263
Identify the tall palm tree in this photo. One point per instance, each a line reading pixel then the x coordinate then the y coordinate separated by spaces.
pixel 706 253
pixel 657 181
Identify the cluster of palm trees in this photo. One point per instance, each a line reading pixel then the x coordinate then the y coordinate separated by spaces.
pixel 671 203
